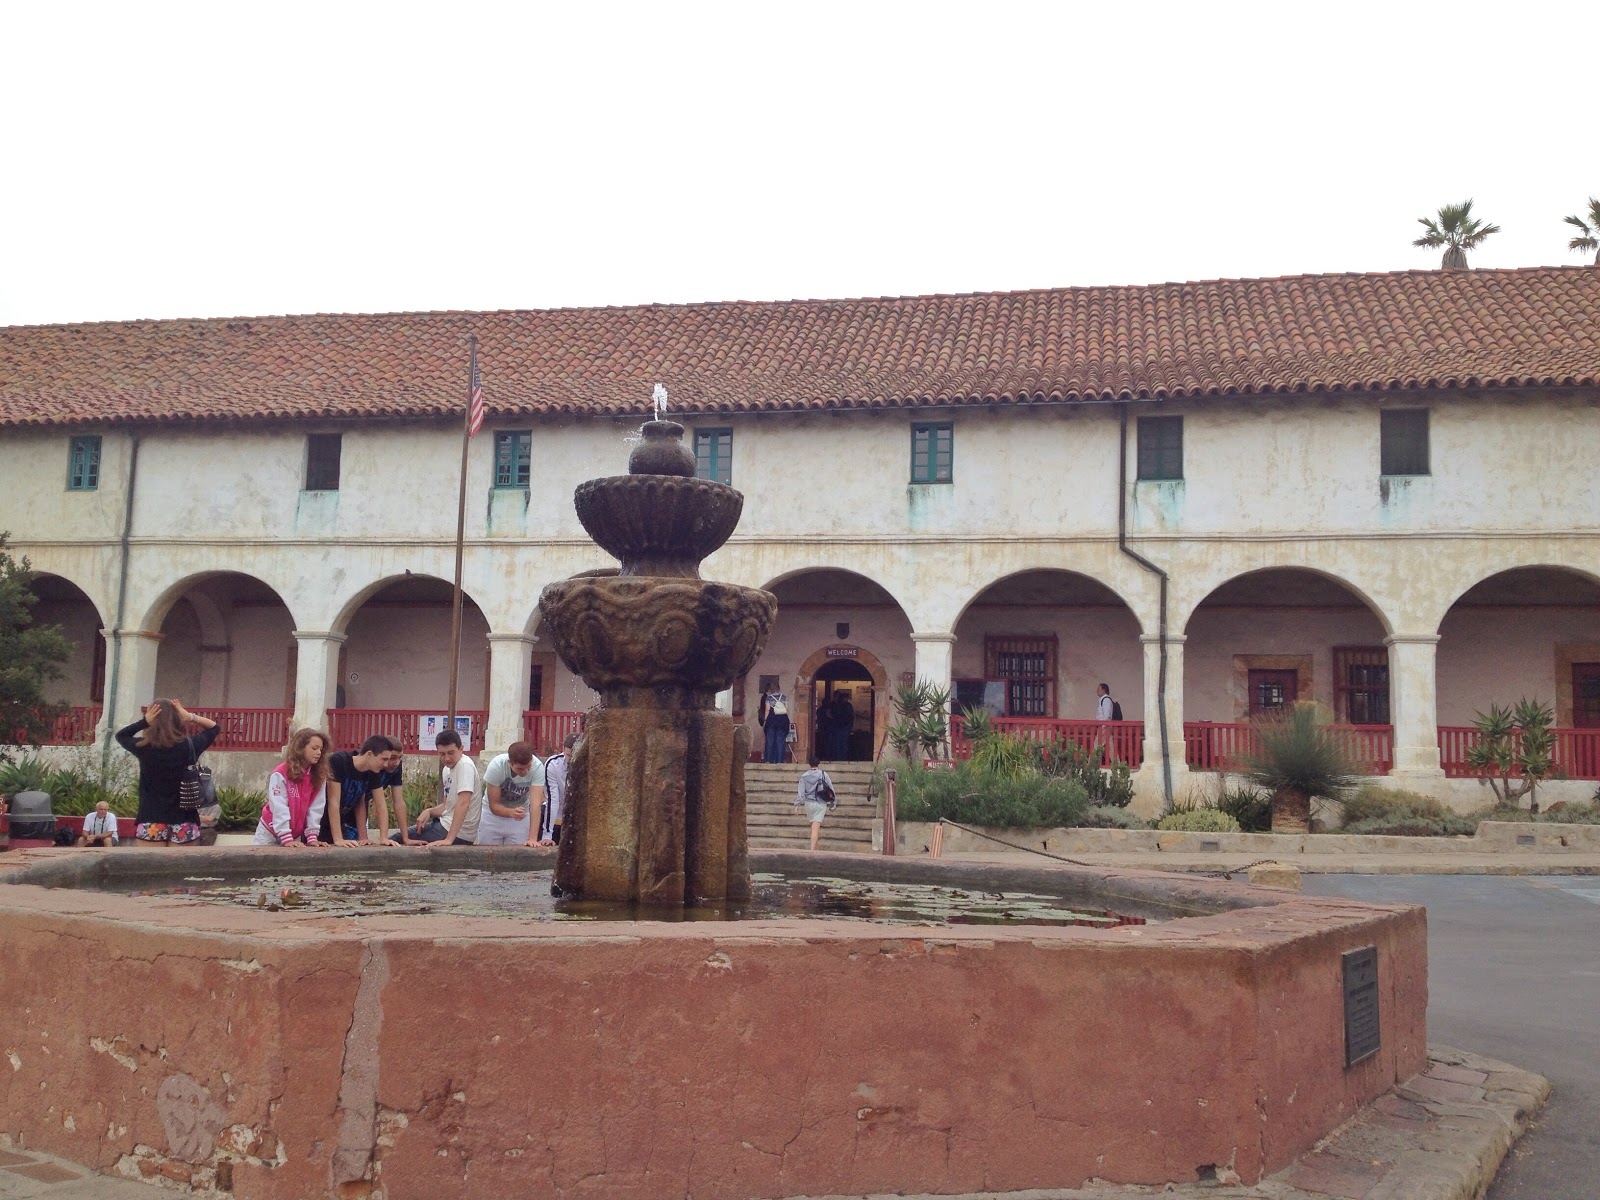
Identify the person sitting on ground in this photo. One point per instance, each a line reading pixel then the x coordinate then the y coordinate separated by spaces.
pixel 353 780
pixel 810 797
pixel 297 793
pixel 100 827
pixel 454 820
pixel 513 788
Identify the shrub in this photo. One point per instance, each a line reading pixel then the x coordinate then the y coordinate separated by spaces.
pixel 924 724
pixel 24 775
pixel 421 791
pixel 1199 820
pixel 1100 817
pixel 1373 801
pixel 1562 814
pixel 241 810
pixel 1411 824
pixel 1111 788
pixel 1515 747
pixel 973 796
pixel 1250 807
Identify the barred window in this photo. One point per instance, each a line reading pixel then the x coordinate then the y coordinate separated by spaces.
pixel 1160 447
pixel 1361 685
pixel 1028 667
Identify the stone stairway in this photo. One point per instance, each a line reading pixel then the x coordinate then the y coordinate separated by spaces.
pixel 775 824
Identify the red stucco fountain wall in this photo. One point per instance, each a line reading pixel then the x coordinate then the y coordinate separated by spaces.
pixel 288 1056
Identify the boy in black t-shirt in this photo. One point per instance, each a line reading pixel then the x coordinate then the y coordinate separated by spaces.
pixel 353 780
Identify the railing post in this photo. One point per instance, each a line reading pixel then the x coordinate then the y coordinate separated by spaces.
pixel 890 780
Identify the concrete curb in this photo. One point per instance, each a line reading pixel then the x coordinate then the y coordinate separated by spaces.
pixel 1440 1135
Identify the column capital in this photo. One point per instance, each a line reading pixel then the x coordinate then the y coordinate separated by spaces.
pixel 527 639
pixel 149 634
pixel 319 635
pixel 1411 639
pixel 1154 639
pixel 933 637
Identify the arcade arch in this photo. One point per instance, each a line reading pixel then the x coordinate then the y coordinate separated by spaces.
pixel 81 685
pixel 226 640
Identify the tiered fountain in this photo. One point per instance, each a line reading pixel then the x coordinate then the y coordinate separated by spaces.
pixel 655 807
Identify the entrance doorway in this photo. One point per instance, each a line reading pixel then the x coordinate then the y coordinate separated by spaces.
pixel 843 699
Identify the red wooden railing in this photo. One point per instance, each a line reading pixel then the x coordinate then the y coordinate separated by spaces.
pixel 1226 745
pixel 1119 740
pixel 349 727
pixel 248 728
pixel 1576 752
pixel 74 727
pixel 547 730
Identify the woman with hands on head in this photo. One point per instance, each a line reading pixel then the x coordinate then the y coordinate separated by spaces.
pixel 158 741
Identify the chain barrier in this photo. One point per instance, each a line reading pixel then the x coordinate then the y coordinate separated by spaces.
pixel 1076 862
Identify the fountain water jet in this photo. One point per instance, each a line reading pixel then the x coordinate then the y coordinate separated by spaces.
pixel 655 805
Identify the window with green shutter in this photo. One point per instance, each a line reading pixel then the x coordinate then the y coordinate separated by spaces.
pixel 1160 447
pixel 932 452
pixel 513 456
pixel 83 464
pixel 1403 441
pixel 713 455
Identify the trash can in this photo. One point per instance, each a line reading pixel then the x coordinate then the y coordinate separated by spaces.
pixel 31 818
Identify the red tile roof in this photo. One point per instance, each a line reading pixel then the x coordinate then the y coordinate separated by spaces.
pixel 1316 333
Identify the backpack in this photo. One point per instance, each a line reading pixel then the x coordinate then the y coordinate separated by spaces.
pixel 824 793
pixel 1116 711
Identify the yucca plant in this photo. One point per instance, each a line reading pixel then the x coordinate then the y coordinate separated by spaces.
pixel 1457 231
pixel 25 775
pixel 1298 758
pixel 1516 748
pixel 1588 239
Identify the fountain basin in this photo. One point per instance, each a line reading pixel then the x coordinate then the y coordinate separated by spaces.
pixel 448 1056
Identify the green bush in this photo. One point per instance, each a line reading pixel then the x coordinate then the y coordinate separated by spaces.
pixel 1558 814
pixel 1250 807
pixel 1111 788
pixel 1412 824
pixel 1199 820
pixel 1372 800
pixel 1100 817
pixel 421 791
pixel 973 796
pixel 241 810
pixel 24 775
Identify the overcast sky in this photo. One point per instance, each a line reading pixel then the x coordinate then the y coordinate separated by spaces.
pixel 166 160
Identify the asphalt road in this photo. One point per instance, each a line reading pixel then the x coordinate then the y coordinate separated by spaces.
pixel 1514 973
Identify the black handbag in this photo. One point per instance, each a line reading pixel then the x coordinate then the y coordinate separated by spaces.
pixel 196 789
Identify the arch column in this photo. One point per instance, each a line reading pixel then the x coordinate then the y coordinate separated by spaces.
pixel 510 665
pixel 1414 704
pixel 316 675
pixel 935 653
pixel 1150 780
pixel 133 658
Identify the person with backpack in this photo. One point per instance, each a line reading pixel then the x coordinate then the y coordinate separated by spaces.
pixel 773 717
pixel 1105 710
pixel 815 794
pixel 164 752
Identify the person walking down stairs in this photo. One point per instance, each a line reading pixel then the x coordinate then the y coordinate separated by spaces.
pixel 815 795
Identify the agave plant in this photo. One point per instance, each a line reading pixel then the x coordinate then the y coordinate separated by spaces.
pixel 924 724
pixel 1588 239
pixel 1515 744
pixel 1457 231
pixel 1299 758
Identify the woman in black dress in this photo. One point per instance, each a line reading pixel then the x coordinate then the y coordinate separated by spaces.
pixel 157 740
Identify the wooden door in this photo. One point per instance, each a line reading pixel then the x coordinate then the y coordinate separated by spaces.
pixel 1272 691
pixel 1586 695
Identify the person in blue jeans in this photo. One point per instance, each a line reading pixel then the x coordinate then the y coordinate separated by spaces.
pixel 773 717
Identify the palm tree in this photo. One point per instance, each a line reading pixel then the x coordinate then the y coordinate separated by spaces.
pixel 1590 238
pixel 1298 757
pixel 1456 231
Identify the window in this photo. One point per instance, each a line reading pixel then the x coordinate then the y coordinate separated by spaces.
pixel 513 456
pixel 83 464
pixel 536 688
pixel 1361 685
pixel 713 455
pixel 322 462
pixel 1160 447
pixel 1028 667
pixel 1403 434
pixel 932 450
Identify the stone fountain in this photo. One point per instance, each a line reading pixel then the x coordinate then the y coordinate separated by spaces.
pixel 655 804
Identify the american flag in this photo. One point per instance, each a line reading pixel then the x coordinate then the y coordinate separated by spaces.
pixel 475 406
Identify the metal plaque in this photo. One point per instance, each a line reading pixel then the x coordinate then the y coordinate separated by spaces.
pixel 1360 1005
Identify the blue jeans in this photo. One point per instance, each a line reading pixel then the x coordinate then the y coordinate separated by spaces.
pixel 777 738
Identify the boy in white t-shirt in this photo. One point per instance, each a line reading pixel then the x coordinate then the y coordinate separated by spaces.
pixel 513 791
pixel 460 804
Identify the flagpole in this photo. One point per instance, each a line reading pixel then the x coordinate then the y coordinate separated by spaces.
pixel 461 530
